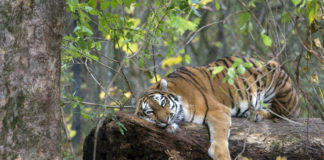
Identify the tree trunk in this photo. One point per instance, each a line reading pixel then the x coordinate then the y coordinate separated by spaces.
pixel 30 40
pixel 256 140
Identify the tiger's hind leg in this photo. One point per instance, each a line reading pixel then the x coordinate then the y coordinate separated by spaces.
pixel 219 122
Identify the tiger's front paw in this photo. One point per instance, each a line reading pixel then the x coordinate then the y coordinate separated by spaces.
pixel 257 117
pixel 261 114
pixel 219 151
pixel 172 128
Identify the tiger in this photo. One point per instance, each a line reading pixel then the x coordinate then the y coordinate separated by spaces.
pixel 193 94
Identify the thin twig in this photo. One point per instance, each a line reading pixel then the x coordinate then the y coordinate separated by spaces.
pixel 96 104
pixel 127 82
pixel 244 144
pixel 192 35
pixel 99 124
pixel 256 20
pixel 154 69
pixel 94 78
pixel 66 130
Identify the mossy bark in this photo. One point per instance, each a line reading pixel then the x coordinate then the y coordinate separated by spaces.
pixel 30 39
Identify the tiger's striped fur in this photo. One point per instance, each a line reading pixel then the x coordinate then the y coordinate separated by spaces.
pixel 191 94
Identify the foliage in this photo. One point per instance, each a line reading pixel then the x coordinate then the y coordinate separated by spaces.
pixel 238 67
pixel 139 41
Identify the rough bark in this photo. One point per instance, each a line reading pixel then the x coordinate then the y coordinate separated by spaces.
pixel 260 140
pixel 30 40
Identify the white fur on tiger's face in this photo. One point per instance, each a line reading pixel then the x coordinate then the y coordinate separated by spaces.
pixel 161 108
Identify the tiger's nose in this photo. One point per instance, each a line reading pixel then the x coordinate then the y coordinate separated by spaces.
pixel 165 120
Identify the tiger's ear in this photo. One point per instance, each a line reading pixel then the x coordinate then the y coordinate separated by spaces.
pixel 164 85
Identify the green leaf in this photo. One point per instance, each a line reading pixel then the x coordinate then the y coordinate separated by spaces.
pixel 266 40
pixel 230 81
pixel 284 17
pixel 98 46
pixel 311 11
pixel 127 3
pixel 225 79
pixel 241 69
pixel 259 63
pixel 217 6
pixel 82 44
pixel 88 8
pixel 147 56
pixel 216 70
pixel 231 73
pixel 91 44
pixel 243 18
pixel 186 59
pixel 182 24
pixel 92 3
pixel 93 57
pixel 72 4
pixel 237 62
pixel 141 62
pixel 83 29
pixel 74 105
pixel 263 105
pixel 248 65
pixel 85 115
pixel 114 3
pixel 296 2
pixel 181 51
pixel 104 4
pixel 251 4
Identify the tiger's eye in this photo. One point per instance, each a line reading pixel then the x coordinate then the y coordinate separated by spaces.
pixel 148 112
pixel 163 103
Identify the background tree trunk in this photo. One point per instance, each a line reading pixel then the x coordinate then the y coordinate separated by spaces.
pixel 256 140
pixel 30 40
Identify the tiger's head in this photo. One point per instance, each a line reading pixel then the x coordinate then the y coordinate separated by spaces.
pixel 160 106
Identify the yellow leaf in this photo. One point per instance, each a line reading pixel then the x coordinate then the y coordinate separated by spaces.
pixel 158 77
pixel 131 9
pixel 165 43
pixel 130 49
pixel 72 133
pixel 108 37
pixel 196 39
pixel 318 43
pixel 314 79
pixel 101 114
pixel 112 104
pixel 278 158
pixel 136 21
pixel 204 2
pixel 69 117
pixel 69 126
pixel 171 61
pixel 128 94
pixel 321 93
pixel 102 95
pixel 87 110
pixel 116 109
pixel 305 68
pixel 196 6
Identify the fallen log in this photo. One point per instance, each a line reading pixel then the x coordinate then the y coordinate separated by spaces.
pixel 257 140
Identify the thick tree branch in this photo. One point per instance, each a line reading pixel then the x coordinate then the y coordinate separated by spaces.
pixel 260 140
